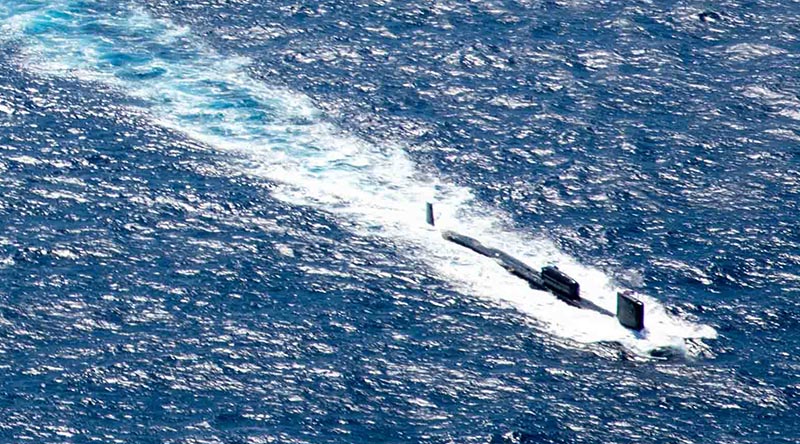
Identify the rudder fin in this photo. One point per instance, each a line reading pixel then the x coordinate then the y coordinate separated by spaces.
pixel 429 214
pixel 630 311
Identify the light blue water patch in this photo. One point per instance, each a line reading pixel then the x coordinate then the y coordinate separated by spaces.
pixel 152 60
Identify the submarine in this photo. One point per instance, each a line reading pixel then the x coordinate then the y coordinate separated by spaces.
pixel 630 310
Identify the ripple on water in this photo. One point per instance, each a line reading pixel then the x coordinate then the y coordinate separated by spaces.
pixel 154 290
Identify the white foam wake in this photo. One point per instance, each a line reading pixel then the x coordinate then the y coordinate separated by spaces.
pixel 210 96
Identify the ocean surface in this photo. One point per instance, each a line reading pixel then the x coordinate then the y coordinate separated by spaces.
pixel 212 221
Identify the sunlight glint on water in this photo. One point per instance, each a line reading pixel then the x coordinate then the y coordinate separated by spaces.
pixel 281 136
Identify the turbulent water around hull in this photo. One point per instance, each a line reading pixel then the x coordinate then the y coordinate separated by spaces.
pixel 189 87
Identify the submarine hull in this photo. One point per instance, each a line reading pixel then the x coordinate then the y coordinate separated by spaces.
pixel 630 311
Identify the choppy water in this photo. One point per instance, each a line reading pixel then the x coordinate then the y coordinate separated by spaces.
pixel 213 221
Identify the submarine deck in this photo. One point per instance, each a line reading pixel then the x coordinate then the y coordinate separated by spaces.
pixel 518 268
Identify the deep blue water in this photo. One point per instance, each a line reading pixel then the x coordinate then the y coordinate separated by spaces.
pixel 212 221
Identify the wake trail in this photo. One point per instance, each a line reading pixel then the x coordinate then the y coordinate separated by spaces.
pixel 193 89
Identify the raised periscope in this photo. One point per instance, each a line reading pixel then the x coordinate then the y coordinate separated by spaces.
pixel 630 311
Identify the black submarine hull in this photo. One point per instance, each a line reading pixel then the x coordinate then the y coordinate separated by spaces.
pixel 630 311
pixel 523 271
